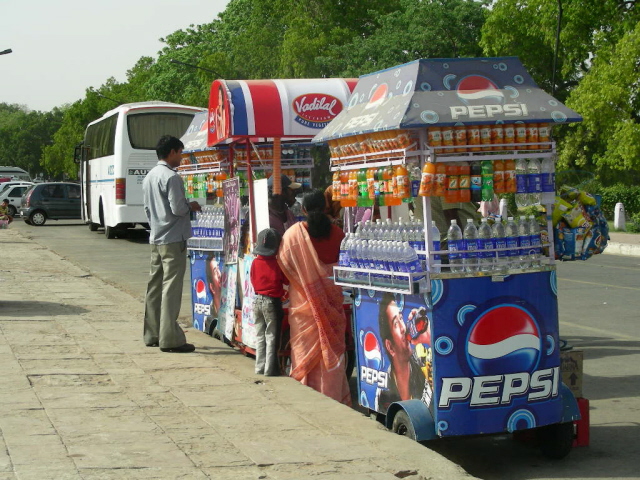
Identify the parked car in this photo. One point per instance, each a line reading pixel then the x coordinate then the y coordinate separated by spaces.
pixel 55 201
pixel 5 185
pixel 14 194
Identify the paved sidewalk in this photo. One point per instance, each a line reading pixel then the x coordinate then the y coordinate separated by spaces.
pixel 81 397
pixel 623 244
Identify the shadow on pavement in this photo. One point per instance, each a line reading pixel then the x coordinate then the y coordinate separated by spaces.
pixel 30 308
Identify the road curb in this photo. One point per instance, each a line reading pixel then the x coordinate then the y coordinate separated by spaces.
pixel 627 249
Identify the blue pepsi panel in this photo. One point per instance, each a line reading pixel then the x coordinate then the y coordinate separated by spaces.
pixel 496 354
pixel 393 346
pixel 205 287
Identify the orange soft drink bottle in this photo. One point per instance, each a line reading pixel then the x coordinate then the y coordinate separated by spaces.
pixel 498 176
pixel 464 182
pixel 428 180
pixel 510 185
pixel 441 180
pixel 453 178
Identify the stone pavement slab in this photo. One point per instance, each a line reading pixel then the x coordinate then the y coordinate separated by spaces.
pixel 81 397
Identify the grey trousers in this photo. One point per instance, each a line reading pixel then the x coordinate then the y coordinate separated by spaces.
pixel 267 315
pixel 164 295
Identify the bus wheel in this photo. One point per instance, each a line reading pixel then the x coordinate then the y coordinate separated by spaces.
pixel 110 232
pixel 93 226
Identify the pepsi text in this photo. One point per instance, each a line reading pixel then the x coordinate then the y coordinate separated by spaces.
pixel 372 376
pixel 489 111
pixel 491 390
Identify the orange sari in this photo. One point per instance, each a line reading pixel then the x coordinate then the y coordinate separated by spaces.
pixel 316 317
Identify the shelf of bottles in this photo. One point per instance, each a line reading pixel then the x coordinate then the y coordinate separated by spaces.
pixel 292 156
pixel 204 162
pixel 459 167
pixel 207 229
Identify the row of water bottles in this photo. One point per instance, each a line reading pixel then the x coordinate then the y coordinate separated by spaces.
pixel 209 223
pixel 384 255
pixel 494 248
pixel 535 182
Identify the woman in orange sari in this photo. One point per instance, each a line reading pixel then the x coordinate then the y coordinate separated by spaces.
pixel 317 321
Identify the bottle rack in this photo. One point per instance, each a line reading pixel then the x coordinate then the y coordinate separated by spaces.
pixel 205 244
pixel 383 280
pixel 405 284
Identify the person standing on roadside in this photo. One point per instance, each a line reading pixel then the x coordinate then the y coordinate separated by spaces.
pixel 167 210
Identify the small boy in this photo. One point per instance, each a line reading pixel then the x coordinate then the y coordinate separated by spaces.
pixel 267 279
pixel 4 211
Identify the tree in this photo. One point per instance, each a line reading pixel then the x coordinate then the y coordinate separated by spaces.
pixel 608 98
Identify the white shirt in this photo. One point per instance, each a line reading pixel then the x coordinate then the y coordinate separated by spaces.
pixel 166 205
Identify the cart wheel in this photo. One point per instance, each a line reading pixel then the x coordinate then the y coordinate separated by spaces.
pixel 556 440
pixel 402 425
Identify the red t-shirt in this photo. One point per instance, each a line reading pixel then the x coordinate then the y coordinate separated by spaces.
pixel 328 248
pixel 267 277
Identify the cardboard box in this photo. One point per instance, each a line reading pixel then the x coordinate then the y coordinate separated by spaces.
pixel 571 369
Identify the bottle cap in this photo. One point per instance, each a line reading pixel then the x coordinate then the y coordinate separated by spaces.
pixel 454 222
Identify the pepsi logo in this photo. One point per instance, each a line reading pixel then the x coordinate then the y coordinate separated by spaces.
pixel 504 339
pixel 476 87
pixel 200 288
pixel 378 96
pixel 371 350
pixel 317 107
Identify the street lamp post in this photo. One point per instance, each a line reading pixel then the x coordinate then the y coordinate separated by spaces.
pixel 4 52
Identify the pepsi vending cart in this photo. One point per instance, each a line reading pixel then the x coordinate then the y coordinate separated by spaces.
pixel 252 128
pixel 445 353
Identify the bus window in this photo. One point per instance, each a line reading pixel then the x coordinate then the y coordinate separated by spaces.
pixel 145 129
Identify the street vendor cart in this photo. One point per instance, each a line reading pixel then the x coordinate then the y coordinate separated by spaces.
pixel 253 129
pixel 444 347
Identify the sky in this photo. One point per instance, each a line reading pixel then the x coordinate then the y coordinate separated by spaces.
pixel 62 47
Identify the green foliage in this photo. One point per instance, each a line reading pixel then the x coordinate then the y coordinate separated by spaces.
pixel 629 196
pixel 633 225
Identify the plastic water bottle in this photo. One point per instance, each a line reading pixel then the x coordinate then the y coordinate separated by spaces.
pixel 470 259
pixel 522 197
pixel 485 240
pixel 411 260
pixel 534 181
pixel 536 241
pixel 524 239
pixel 353 250
pixel 500 242
pixel 455 243
pixel 343 259
pixel 435 233
pixel 511 232
pixel 548 177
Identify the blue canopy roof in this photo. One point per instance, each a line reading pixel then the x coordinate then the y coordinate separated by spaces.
pixel 455 91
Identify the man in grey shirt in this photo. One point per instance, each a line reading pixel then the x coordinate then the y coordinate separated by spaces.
pixel 167 210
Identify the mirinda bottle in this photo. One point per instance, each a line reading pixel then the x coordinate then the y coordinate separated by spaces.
pixel 453 186
pixel 498 176
pixel 428 180
pixel 510 185
pixel 464 182
pixel 335 186
pixel 441 180
pixel 392 186
pixel 220 177
pixel 371 183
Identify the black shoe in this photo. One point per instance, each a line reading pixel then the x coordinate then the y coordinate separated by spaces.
pixel 186 348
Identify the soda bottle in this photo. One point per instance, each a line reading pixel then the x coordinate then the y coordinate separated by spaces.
pixel 335 187
pixel 509 136
pixel 435 233
pixel 476 182
pixel 532 136
pixel 363 193
pixel 524 238
pixel 497 136
pixel 485 136
pixel 441 180
pixel 460 133
pixel 434 138
pixel 548 178
pixel 427 183
pixel 371 190
pixel 377 184
pixel 487 181
pixel 485 246
pixel 383 186
pixel 417 324
pixel 344 186
pixel 522 197
pixel 521 135
pixel 510 185
pixel 500 242
pixel 544 134
pixel 451 195
pixel 464 183
pixel 536 242
pixel 470 258
pixel 455 243
pixel 403 183
pixel 416 178
pixel 534 182
pixel 392 198
pixel 473 137
pixel 511 233
pixel 498 176
pixel 447 139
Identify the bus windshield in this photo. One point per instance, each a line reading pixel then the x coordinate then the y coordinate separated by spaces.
pixel 146 128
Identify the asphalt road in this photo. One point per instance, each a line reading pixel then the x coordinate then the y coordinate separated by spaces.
pixel 599 301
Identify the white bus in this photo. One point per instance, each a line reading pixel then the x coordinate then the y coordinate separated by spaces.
pixel 117 152
pixel 13 173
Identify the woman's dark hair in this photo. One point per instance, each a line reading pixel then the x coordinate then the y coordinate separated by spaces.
pixel 318 222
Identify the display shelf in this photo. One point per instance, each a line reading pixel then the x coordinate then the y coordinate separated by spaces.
pixel 375 159
pixel 205 244
pixel 398 282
